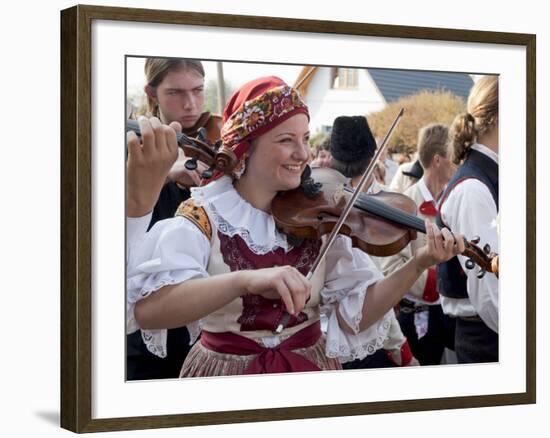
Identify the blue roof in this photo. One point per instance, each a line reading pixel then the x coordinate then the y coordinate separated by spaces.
pixel 394 84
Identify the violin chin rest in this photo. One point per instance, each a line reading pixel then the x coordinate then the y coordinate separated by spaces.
pixel 294 240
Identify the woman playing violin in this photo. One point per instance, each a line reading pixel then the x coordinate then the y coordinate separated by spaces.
pixel 223 268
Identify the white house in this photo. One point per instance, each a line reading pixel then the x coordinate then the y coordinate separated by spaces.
pixel 332 91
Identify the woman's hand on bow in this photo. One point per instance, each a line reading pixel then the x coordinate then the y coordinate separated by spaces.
pixel 284 282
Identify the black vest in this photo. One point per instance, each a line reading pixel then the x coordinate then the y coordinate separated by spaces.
pixel 451 279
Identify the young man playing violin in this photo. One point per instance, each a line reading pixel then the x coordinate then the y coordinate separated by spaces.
pixel 175 93
pixel 223 268
pixel 159 182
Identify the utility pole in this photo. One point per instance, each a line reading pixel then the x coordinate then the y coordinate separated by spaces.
pixel 221 87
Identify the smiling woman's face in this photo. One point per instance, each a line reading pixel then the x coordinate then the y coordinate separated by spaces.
pixel 278 157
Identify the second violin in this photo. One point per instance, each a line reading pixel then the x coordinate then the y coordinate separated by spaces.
pixel 199 149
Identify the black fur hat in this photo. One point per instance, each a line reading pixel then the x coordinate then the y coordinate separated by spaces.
pixel 351 139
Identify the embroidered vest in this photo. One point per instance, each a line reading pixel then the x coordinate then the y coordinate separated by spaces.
pixel 451 279
pixel 253 316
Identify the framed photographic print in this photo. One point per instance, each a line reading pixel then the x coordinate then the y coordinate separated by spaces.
pixel 100 49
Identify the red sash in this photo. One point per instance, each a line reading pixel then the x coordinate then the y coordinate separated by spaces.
pixel 280 359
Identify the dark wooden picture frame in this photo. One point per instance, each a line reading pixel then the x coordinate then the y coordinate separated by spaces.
pixel 76 217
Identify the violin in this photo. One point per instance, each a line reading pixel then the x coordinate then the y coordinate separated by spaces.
pixel 200 148
pixel 381 224
pixel 207 128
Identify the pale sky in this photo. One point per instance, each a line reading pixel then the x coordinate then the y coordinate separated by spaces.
pixel 235 73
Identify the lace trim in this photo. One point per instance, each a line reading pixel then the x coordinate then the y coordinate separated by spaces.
pixel 158 349
pixel 155 340
pixel 222 202
pixel 345 353
pixel 194 329
pixel 224 227
pixel 146 291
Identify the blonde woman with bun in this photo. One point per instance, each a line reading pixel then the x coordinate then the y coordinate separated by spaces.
pixel 469 205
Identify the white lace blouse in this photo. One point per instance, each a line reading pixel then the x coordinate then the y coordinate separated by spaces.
pixel 175 250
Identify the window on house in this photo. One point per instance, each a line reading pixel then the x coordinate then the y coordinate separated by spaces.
pixel 344 77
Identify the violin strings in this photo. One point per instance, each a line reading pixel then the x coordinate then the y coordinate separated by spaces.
pixel 377 207
pixel 372 205
pixel 391 213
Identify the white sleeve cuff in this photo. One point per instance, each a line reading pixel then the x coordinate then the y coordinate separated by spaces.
pixel 136 228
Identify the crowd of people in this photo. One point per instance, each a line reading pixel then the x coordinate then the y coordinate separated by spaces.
pixel 215 287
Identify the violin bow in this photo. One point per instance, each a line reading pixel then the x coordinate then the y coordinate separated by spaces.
pixel 332 237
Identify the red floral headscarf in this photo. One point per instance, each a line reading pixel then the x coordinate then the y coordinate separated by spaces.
pixel 255 108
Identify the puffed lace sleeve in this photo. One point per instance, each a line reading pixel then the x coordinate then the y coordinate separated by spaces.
pixel 173 251
pixel 349 272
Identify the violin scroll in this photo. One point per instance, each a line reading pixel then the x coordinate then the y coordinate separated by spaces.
pixel 225 160
pixel 217 158
pixel 214 155
pixel 484 258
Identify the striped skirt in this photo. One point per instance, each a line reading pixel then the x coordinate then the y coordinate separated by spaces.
pixel 202 362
